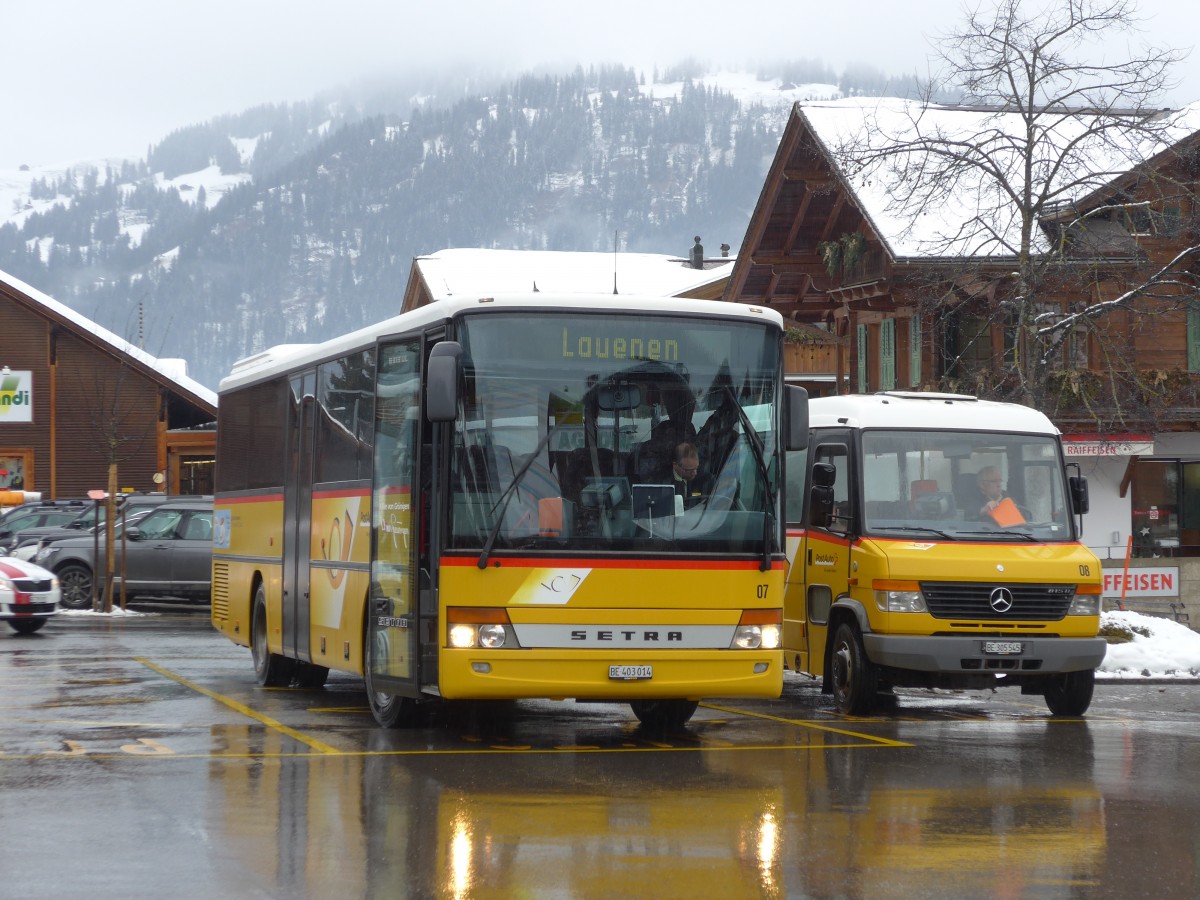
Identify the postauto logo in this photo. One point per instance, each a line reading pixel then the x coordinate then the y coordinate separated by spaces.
pixel 16 397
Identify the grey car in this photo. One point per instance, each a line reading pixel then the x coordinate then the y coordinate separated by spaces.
pixel 166 553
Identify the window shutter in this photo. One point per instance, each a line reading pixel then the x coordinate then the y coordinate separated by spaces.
pixel 863 381
pixel 914 351
pixel 887 355
pixel 1193 339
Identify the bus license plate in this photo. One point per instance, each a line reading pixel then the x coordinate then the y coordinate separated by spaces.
pixel 630 673
pixel 1003 648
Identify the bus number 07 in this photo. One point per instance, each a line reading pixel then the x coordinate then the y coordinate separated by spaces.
pixel 762 592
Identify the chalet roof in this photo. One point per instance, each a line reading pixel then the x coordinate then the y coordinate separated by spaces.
pixel 854 129
pixel 828 181
pixel 170 373
pixel 463 272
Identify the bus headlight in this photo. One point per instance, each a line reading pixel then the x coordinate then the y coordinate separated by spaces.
pixel 759 629
pixel 491 636
pixel 485 627
pixel 899 596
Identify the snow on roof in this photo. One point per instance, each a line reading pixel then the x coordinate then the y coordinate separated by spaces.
pixel 173 370
pixel 475 273
pixel 851 129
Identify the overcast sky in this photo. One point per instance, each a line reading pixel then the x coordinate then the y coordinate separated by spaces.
pixel 86 80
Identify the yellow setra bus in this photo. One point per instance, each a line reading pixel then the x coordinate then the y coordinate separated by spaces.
pixel 488 499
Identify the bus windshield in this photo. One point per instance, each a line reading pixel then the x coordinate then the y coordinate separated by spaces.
pixel 615 432
pixel 964 485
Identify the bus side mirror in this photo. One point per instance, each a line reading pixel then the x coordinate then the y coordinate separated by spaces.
pixel 1079 494
pixel 796 410
pixel 441 387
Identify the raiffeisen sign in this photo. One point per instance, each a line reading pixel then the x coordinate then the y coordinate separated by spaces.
pixel 1108 445
pixel 16 396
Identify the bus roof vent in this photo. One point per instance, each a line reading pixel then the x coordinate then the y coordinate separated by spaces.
pixel 930 395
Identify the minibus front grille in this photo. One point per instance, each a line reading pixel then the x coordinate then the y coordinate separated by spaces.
pixel 972 600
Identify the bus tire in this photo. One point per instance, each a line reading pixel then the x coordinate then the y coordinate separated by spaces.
pixel 854 679
pixel 271 669
pixel 389 710
pixel 1070 694
pixel 664 715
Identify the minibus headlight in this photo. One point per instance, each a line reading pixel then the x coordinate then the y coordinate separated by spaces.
pixel 463 637
pixel 758 629
pixel 900 601
pixel 476 626
pixel 1084 605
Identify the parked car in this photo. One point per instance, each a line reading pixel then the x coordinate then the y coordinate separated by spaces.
pixel 29 595
pixel 23 543
pixel 167 553
pixel 40 514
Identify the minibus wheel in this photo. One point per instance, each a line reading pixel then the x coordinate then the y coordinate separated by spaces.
pixel 1070 694
pixel 854 679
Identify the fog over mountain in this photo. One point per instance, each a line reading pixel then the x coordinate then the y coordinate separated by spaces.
pixel 296 222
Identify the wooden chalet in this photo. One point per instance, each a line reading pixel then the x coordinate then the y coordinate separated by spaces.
pixel 828 253
pixel 824 251
pixel 75 397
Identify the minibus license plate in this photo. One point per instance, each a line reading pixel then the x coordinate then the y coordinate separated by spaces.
pixel 630 673
pixel 1003 647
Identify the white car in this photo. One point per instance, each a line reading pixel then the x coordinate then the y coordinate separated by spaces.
pixel 29 594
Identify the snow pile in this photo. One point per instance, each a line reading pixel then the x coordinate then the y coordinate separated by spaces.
pixel 1160 648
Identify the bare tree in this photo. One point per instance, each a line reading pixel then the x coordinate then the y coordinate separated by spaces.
pixel 1010 200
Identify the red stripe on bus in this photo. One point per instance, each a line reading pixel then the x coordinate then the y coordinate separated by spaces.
pixel 257 498
pixel 341 492
pixel 585 563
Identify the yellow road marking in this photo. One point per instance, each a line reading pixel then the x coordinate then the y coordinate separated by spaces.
pixel 808 723
pixel 319 746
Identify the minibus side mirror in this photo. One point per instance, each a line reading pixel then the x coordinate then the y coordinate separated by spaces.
pixel 1079 494
pixel 796 411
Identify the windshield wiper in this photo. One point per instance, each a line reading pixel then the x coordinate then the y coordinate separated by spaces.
pixel 921 528
pixel 1023 535
pixel 502 503
pixel 755 442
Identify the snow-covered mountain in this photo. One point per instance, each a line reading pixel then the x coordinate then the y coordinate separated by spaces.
pixel 294 223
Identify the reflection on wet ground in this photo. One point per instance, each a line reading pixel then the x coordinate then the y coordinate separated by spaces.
pixel 156 740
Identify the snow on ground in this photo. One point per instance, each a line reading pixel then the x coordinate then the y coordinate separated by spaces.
pixel 1161 648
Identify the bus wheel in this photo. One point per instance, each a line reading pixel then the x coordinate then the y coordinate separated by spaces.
pixel 855 681
pixel 663 715
pixel 1070 694
pixel 271 669
pixel 389 710
pixel 310 675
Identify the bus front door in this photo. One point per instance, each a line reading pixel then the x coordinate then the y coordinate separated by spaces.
pixel 297 514
pixel 392 660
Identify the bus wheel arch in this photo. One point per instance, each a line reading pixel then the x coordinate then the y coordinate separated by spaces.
pixel 271 669
pixel 853 678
